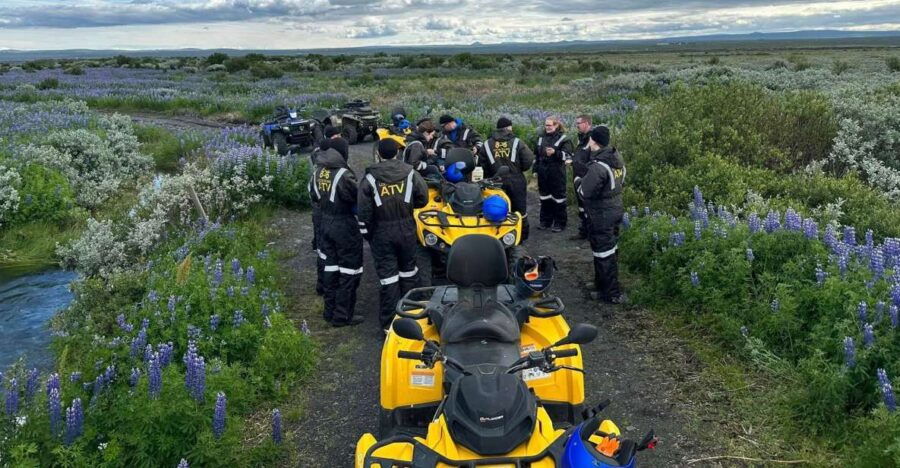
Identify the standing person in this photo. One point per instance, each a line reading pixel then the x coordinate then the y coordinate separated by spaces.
pixel 583 125
pixel 419 151
pixel 552 152
pixel 340 242
pixel 456 132
pixel 504 149
pixel 387 197
pixel 601 188
pixel 337 142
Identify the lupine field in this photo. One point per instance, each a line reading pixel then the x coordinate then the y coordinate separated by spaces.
pixel 763 187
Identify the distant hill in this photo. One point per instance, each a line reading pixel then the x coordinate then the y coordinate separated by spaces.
pixel 798 39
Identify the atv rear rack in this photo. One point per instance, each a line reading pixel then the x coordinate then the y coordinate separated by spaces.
pixel 444 220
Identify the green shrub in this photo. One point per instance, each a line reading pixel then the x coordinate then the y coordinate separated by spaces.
pixel 893 63
pixel 45 195
pixel 48 83
pixel 236 64
pixel 74 70
pixel 217 58
pixel 840 66
pixel 263 70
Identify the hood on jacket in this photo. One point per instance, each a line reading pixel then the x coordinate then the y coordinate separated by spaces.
pixel 341 145
pixel 610 156
pixel 503 135
pixel 390 170
pixel 330 158
pixel 416 136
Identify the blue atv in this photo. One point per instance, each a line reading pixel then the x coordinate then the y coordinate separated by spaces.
pixel 288 132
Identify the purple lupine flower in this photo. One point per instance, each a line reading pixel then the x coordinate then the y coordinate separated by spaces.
pixel 31 384
pixel 154 376
pixel 217 274
pixel 849 352
pixel 193 332
pixel 236 267
pixel 868 335
pixel 124 325
pixel 148 351
pixel 135 377
pixel 870 239
pixel 646 211
pixel 895 320
pixel 776 305
pixel 745 332
pixel 251 274
pixel 74 377
pixel 876 262
pixel 792 220
pixel 53 382
pixel 195 373
pixel 152 296
pixel 265 310
pixel 698 197
pixel 772 222
pixel 810 228
pixel 879 311
pixel 276 426
pixel 238 318
pixel 165 353
pixel 171 304
pixel 145 323
pixel 54 410
pixel 12 397
pixel 219 415
pixel 862 311
pixel 895 294
pixel 183 464
pixel 850 235
pixel 675 240
pixel 754 223
pixel 230 291
pixel 830 238
pixel 821 274
pixel 698 230
pixel 882 377
pixel 843 263
pixel 695 279
pixel 74 421
pixel 245 291
pixel 889 401
pixel 750 256
pixel 304 327
pixel 626 220
pixel 214 322
pixel 139 342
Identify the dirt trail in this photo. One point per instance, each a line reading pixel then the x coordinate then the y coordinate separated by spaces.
pixel 651 378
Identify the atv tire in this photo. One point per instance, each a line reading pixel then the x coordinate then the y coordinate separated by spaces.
pixel 317 135
pixel 266 139
pixel 280 142
pixel 375 158
pixel 361 138
pixel 386 424
pixel 350 133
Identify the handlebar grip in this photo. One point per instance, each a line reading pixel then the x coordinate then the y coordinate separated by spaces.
pixel 409 355
pixel 563 353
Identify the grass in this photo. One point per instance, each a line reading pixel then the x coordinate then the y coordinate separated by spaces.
pixel 164 147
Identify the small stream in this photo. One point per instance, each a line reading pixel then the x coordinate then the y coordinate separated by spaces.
pixel 26 305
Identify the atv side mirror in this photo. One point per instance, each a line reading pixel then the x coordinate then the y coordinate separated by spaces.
pixel 409 329
pixel 580 334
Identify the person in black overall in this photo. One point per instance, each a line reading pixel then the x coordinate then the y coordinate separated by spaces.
pixel 601 188
pixel 419 151
pixel 387 197
pixel 552 152
pixel 332 140
pixel 340 242
pixel 503 148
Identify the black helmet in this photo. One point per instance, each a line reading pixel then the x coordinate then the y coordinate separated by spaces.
pixel 533 276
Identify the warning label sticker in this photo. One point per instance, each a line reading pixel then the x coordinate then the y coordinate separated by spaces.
pixel 421 379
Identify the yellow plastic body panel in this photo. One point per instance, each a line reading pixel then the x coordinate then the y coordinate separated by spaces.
pixel 406 382
pixel 439 440
pixel 461 225
pixel 385 133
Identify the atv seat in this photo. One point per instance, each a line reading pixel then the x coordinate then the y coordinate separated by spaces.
pixel 477 265
pixel 465 198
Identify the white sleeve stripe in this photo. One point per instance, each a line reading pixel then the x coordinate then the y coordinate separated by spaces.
pixel 375 194
pixel 334 184
pixel 561 139
pixel 407 197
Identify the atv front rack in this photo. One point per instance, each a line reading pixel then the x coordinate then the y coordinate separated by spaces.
pixel 444 220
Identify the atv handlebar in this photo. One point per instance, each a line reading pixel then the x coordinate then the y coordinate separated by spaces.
pixel 564 353
pixel 410 355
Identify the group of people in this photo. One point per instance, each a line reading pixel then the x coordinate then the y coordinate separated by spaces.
pixel 378 206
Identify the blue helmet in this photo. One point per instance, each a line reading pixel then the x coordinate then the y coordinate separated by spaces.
pixel 495 209
pixel 454 172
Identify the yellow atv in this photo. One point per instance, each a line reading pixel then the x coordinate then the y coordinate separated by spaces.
pixel 479 318
pixel 390 133
pixel 461 208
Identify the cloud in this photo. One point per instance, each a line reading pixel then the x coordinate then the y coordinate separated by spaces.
pixel 371 27
pixel 433 23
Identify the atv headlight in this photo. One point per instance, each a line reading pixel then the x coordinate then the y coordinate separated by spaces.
pixel 430 239
pixel 287 129
pixel 509 239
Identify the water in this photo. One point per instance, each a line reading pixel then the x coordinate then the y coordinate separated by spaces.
pixel 26 304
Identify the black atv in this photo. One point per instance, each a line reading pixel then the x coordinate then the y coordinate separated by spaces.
pixel 356 120
pixel 287 131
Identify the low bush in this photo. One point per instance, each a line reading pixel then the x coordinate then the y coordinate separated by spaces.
pixel 815 305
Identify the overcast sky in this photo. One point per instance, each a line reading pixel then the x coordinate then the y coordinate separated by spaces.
pixel 301 24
